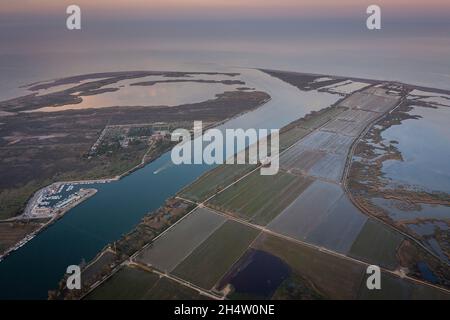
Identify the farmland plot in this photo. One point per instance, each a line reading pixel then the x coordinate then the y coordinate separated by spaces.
pixel 260 198
pixel 308 211
pixel 211 260
pixel 170 249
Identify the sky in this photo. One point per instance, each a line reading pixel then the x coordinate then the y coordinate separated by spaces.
pixel 303 35
pixel 204 9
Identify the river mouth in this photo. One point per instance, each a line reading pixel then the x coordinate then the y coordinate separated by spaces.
pixel 118 206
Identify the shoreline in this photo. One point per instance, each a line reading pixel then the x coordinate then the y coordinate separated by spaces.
pixel 140 165
pixel 61 212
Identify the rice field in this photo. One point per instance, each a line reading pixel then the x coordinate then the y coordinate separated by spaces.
pixel 308 211
pixel 214 180
pixel 357 115
pixel 178 242
pixel 330 167
pixel 395 288
pixel 132 283
pixel 349 128
pixel 341 227
pixel 348 87
pixel 291 136
pixel 212 259
pixel 259 198
pixel 377 244
pixel 392 288
pixel 129 283
pixel 370 102
pixel 332 276
pixel 324 141
pixel 167 289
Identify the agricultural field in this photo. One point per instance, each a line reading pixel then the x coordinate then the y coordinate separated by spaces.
pixel 211 260
pixel 322 154
pixel 214 180
pixel 307 211
pixel 129 283
pixel 349 128
pixel 327 142
pixel 370 102
pixel 132 283
pixel 167 289
pixel 330 167
pixel 297 129
pixel 395 288
pixel 331 276
pixel 341 227
pixel 378 244
pixel 392 288
pixel 356 115
pixel 291 136
pixel 259 198
pixel 257 275
pixel 178 242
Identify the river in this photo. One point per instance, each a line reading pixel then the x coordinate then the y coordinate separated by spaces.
pixel 31 271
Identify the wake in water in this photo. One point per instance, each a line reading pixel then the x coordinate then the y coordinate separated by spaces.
pixel 164 167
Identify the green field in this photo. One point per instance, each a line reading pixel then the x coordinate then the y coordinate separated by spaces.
pixel 297 129
pixel 166 289
pixel 169 250
pixel 212 259
pixel 291 136
pixel 377 244
pixel 215 180
pixel 128 283
pixel 331 276
pixel 260 198
pixel 396 288
pixel 131 283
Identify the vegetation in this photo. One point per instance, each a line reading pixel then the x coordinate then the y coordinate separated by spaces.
pixel 211 260
pixel 260 198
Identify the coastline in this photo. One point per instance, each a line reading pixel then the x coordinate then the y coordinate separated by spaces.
pixel 140 165
pixel 89 193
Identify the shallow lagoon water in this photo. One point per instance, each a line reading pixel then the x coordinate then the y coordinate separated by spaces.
pixel 118 206
pixel 396 212
pixel 159 94
pixel 423 144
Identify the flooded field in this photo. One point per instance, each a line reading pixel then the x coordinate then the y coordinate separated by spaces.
pixel 170 249
pixel 341 227
pixel 211 260
pixel 307 211
pixel 321 154
pixel 371 102
pixel 257 275
pixel 260 198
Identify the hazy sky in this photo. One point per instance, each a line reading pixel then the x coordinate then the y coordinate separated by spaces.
pixel 325 36
pixel 228 8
